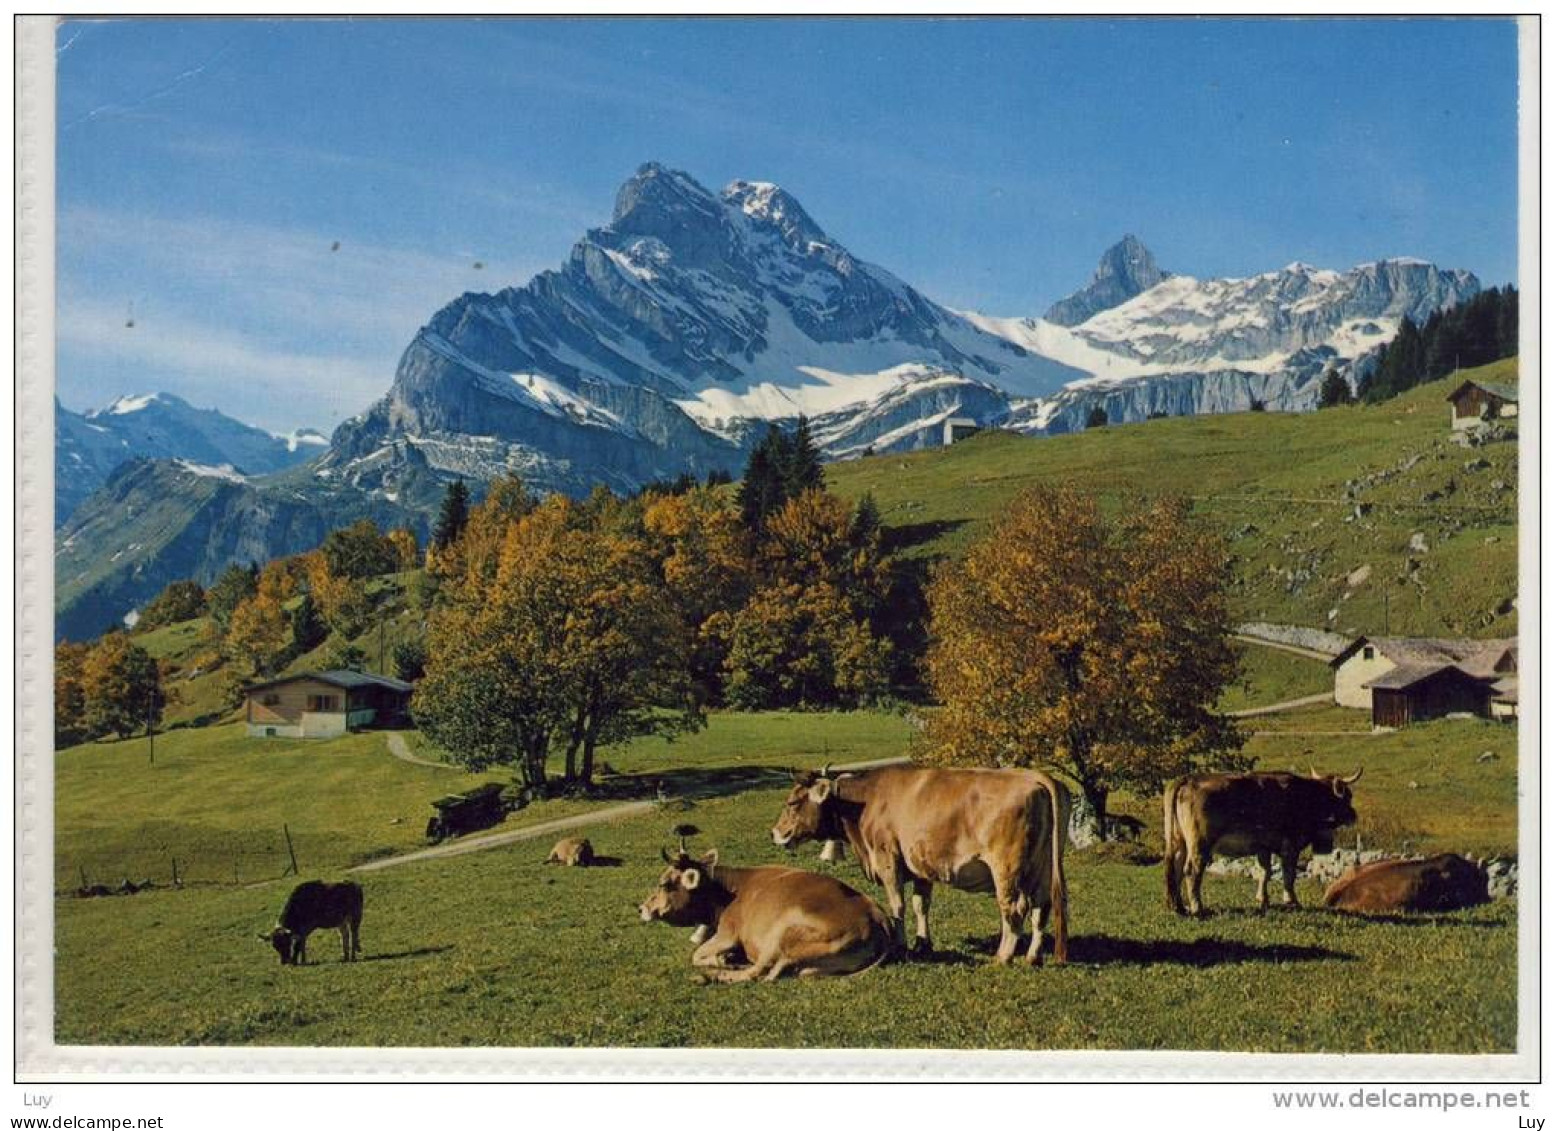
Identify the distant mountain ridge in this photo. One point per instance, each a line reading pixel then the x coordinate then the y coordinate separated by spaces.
pixel 89 446
pixel 669 340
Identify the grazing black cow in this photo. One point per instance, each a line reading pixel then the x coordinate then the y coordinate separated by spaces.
pixel 313 906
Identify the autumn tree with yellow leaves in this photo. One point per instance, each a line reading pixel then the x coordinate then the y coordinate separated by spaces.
pixel 561 644
pixel 807 636
pixel 706 557
pixel 121 688
pixel 1094 644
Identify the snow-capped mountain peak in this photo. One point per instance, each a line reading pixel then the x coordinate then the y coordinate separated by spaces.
pixel 1126 269
pixel 126 405
pixel 666 332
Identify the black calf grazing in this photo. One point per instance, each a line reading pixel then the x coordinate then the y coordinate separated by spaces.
pixel 313 906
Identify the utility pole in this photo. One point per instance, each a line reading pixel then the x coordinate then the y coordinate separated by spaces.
pixel 151 727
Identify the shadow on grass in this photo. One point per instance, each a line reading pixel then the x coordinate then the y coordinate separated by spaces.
pixel 935 958
pixel 895 538
pixel 1107 950
pixel 419 952
pixel 691 783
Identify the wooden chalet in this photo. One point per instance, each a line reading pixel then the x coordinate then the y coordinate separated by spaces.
pixel 324 704
pixel 1475 403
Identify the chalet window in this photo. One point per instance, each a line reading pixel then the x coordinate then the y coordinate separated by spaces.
pixel 1369 653
pixel 323 703
pixel 271 699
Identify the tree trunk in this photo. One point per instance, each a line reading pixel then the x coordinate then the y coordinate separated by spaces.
pixel 590 727
pixel 1096 802
pixel 588 757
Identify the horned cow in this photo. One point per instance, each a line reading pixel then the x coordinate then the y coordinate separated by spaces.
pixel 978 830
pixel 778 920
pixel 1263 814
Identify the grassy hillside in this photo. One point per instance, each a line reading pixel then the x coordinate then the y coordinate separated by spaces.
pixel 1321 507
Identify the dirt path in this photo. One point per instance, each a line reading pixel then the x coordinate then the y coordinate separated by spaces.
pixel 398 748
pixel 1294 649
pixel 1287 705
pixel 563 824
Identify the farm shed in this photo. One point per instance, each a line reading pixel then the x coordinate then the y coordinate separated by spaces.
pixel 323 704
pixel 1401 679
pixel 1476 402
pixel 1410 694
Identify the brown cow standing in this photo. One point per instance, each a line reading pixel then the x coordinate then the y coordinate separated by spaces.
pixel 315 905
pixel 978 830
pixel 1263 814
pixel 1438 883
pixel 573 851
pixel 782 920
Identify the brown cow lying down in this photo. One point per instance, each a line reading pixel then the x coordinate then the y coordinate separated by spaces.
pixel 1438 883
pixel 316 905
pixel 573 851
pixel 782 920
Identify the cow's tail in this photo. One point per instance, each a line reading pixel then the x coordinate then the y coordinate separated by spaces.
pixel 1172 840
pixel 1058 891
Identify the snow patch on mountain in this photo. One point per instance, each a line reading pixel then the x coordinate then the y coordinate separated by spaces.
pixel 123 406
pixel 225 471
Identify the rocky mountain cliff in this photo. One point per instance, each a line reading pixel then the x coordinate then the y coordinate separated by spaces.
pixel 1190 346
pixel 665 334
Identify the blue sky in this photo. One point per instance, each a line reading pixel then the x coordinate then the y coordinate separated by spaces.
pixel 206 168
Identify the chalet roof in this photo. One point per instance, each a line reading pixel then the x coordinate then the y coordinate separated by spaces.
pixel 1408 675
pixel 1476 657
pixel 1504 690
pixel 1494 388
pixel 338 677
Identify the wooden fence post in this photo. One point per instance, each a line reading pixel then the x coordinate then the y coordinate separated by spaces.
pixel 290 851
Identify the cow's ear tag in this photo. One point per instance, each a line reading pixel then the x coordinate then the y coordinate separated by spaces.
pixel 820 791
pixel 690 878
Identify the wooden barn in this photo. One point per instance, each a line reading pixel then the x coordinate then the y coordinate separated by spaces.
pixel 1475 403
pixel 1412 694
pixel 324 704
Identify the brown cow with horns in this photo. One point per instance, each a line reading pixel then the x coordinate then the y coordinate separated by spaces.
pixel 1263 814
pixel 767 922
pixel 978 830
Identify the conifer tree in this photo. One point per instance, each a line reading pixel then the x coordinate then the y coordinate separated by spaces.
pixel 452 516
